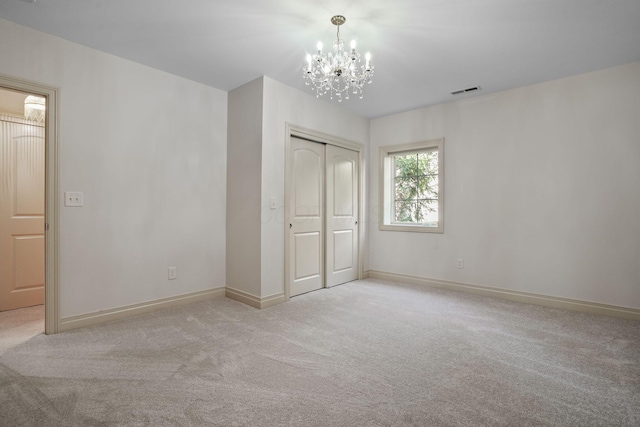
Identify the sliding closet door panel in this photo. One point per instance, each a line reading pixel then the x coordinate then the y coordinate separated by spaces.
pixel 342 215
pixel 306 208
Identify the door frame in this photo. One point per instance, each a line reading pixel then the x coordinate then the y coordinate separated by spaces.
pixel 51 290
pixel 293 130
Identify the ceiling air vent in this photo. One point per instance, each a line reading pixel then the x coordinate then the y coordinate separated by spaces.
pixel 469 89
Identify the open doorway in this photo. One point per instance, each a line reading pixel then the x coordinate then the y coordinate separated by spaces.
pixel 22 212
pixel 28 237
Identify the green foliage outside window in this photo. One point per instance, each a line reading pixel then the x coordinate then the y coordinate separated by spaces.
pixel 416 187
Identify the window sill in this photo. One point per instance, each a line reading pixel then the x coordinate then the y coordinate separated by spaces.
pixel 416 228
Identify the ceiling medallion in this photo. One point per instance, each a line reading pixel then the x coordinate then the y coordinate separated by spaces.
pixel 338 73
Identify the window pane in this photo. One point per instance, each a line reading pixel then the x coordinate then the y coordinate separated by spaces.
pixel 428 163
pixel 428 212
pixel 406 165
pixel 416 187
pixel 406 211
pixel 406 188
pixel 427 187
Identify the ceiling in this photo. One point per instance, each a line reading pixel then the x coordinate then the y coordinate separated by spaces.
pixel 422 49
pixel 12 102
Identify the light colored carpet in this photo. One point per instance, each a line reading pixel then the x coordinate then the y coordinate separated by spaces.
pixel 367 353
pixel 18 326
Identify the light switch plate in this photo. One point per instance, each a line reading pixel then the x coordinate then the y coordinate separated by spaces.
pixel 73 198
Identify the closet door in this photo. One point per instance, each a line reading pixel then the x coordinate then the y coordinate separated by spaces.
pixel 306 220
pixel 342 215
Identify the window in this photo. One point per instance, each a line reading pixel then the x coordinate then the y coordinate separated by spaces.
pixel 411 184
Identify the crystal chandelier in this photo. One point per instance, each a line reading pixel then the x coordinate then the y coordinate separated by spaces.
pixel 339 72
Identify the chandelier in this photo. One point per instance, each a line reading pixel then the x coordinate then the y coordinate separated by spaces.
pixel 34 108
pixel 338 73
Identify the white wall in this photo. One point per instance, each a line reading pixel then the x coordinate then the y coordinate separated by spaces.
pixel 541 182
pixel 148 149
pixel 542 189
pixel 244 177
pixel 283 104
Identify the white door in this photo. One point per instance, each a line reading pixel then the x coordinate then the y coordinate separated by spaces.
pixel 323 216
pixel 306 208
pixel 21 215
pixel 342 215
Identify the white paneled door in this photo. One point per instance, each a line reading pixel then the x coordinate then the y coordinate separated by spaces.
pixel 21 214
pixel 306 217
pixel 341 215
pixel 323 238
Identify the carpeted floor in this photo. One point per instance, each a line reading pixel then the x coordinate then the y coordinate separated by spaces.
pixel 18 326
pixel 367 353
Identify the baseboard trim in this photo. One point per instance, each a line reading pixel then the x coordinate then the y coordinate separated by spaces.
pixel 252 300
pixel 365 274
pixel 518 296
pixel 91 319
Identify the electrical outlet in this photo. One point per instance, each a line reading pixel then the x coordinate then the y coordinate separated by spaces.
pixel 460 263
pixel 73 199
pixel 173 273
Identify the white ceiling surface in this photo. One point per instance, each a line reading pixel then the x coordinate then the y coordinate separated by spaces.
pixel 422 49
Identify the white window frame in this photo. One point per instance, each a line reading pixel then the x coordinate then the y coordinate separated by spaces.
pixel 387 190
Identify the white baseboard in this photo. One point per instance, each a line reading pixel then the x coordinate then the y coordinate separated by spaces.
pixel 365 274
pixel 90 319
pixel 518 296
pixel 253 300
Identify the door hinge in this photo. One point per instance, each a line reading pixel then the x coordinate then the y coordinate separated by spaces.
pixel 46 226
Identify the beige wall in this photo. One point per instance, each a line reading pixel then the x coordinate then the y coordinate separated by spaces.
pixel 542 189
pixel 541 181
pixel 148 149
pixel 279 105
pixel 12 102
pixel 283 104
pixel 244 180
